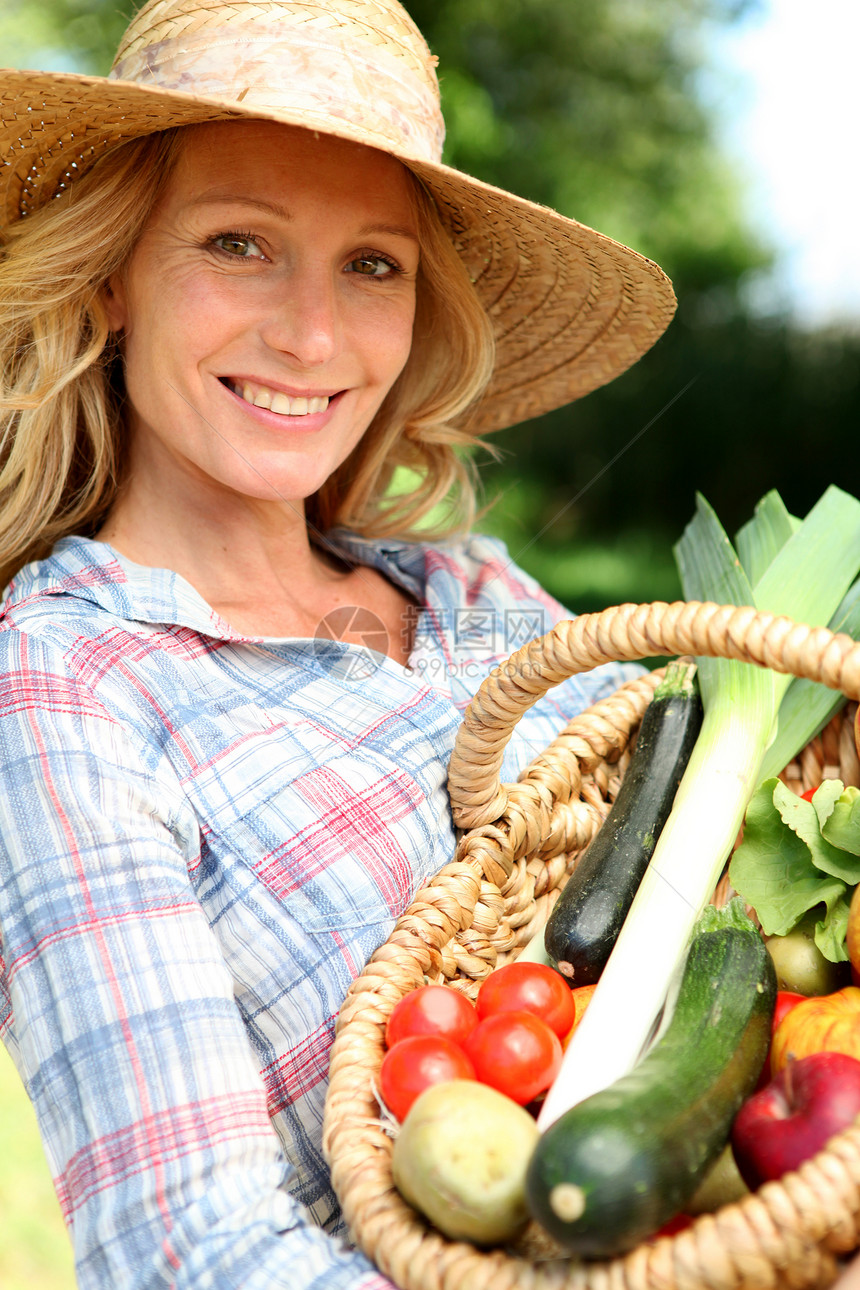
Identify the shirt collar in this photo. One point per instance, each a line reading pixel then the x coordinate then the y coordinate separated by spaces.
pixel 93 571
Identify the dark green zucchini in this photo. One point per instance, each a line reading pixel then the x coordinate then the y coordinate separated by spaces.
pixel 616 1167
pixel 588 915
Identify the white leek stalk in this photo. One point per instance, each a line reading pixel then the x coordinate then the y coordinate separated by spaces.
pixel 804 572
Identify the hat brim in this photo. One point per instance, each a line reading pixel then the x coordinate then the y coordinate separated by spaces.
pixel 570 307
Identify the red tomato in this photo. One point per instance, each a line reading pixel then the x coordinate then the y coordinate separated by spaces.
pixel 807 796
pixel 679 1223
pixel 529 987
pixel 432 1010
pixel 414 1064
pixel 516 1053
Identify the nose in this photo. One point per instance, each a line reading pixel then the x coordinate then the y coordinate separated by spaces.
pixel 303 318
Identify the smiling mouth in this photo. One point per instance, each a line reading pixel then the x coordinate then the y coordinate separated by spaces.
pixel 275 401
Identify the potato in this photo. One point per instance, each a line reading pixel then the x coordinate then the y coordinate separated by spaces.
pixel 800 965
pixel 460 1158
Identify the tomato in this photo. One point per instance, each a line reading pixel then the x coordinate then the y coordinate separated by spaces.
pixel 528 987
pixel 808 795
pixel 823 1023
pixel 414 1064
pixel 679 1223
pixel 516 1053
pixel 432 1010
pixel 581 995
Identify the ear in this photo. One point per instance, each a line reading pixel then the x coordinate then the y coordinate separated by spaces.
pixel 113 297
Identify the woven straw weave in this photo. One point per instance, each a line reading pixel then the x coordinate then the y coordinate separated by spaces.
pixel 479 911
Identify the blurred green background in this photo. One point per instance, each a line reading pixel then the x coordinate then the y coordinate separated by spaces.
pixel 595 107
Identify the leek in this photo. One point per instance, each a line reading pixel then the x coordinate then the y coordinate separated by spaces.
pixel 802 570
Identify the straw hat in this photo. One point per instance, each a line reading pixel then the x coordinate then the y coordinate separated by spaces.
pixel 571 308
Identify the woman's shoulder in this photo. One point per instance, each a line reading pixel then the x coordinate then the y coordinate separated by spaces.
pixel 83 586
pixel 470 571
pixel 43 598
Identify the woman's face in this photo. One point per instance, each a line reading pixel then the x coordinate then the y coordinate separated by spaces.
pixel 266 311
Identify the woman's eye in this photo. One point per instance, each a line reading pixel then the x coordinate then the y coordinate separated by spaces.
pixel 373 266
pixel 240 245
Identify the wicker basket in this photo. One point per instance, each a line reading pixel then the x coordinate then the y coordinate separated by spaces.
pixel 480 909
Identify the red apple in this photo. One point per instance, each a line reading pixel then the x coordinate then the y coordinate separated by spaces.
pixel 795 1114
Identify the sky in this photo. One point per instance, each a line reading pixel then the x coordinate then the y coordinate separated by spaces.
pixel 790 111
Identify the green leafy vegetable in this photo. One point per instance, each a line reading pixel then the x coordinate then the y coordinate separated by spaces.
pixel 786 864
pixel 830 933
pixel 842 826
pixel 773 868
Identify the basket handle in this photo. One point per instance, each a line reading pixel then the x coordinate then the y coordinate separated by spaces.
pixel 625 633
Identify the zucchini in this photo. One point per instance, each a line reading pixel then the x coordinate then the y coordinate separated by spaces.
pixel 616 1167
pixel 587 917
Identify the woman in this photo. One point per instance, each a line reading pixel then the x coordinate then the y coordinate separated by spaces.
pixel 238 289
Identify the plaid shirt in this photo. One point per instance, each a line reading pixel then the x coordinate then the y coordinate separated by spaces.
pixel 203 837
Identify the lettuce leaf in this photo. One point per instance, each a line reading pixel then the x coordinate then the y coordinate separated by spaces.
pixel 796 855
pixel 842 826
pixel 830 932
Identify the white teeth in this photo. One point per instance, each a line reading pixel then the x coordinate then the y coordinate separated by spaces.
pixel 282 403
pixel 289 407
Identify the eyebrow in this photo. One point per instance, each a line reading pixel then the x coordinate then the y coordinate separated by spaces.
pixel 281 212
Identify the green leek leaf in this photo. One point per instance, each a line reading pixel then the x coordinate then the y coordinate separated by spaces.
pixel 710 570
pixel 807 705
pixel 764 535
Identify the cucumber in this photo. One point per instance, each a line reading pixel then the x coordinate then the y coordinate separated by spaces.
pixel 616 1167
pixel 587 917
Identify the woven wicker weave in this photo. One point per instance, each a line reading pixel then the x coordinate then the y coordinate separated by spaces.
pixel 481 909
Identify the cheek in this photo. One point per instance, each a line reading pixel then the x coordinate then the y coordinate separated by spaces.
pixel 392 342
pixel 168 330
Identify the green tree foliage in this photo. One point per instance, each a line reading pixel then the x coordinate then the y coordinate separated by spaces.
pixel 62 35
pixel 591 108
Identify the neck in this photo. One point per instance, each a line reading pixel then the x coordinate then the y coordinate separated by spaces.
pixel 233 550
pixel 252 559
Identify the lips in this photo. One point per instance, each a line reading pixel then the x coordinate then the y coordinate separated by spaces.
pixel 261 396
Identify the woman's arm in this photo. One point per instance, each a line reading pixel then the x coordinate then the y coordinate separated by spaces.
pixel 119 1011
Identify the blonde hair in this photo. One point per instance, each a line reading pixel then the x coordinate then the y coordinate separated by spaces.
pixel 61 388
